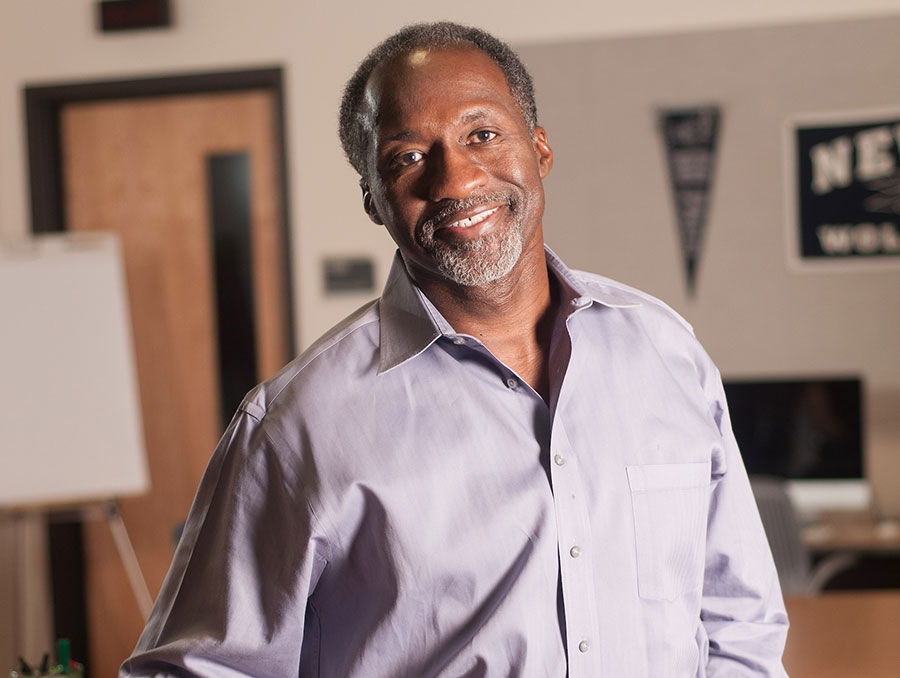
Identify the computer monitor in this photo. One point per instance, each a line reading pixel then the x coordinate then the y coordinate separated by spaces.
pixel 808 431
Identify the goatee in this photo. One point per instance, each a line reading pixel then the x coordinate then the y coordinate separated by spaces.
pixel 475 262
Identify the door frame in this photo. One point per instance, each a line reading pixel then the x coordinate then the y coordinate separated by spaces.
pixel 43 107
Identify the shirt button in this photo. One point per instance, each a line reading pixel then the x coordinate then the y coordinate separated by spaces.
pixel 459 341
pixel 580 301
pixel 584 646
pixel 575 551
pixel 512 383
pixel 559 460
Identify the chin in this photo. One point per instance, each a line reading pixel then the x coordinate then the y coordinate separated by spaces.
pixel 486 261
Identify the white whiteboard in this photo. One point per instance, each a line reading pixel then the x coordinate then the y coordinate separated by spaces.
pixel 70 422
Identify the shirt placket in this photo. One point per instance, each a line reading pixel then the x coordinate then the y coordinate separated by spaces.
pixel 576 548
pixel 576 556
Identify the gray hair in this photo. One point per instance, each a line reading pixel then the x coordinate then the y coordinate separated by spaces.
pixel 356 126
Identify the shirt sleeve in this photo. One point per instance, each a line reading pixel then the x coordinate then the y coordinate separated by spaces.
pixel 234 600
pixel 742 609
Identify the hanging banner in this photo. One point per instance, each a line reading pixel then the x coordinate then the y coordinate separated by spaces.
pixel 689 136
pixel 846 193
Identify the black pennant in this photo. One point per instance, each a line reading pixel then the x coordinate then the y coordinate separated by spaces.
pixel 689 135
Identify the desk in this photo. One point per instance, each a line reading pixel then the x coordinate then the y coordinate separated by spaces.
pixel 844 635
pixel 854 532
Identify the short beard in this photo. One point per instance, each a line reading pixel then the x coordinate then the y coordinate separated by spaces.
pixel 477 262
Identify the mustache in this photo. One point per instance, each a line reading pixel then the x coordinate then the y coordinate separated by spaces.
pixel 449 208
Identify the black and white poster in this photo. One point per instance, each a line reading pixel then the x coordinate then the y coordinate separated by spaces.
pixel 847 187
pixel 689 136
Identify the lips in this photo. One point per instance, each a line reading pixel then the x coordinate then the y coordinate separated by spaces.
pixel 477 223
pixel 465 221
pixel 474 220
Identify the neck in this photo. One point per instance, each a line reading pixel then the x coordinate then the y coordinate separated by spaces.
pixel 512 317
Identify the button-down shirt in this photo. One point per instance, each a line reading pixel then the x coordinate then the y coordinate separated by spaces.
pixel 398 502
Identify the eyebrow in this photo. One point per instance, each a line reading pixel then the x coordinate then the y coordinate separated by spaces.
pixel 403 135
pixel 473 115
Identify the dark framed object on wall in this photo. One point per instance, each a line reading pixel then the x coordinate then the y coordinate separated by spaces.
pixel 844 189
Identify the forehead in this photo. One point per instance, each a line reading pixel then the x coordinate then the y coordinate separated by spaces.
pixel 433 83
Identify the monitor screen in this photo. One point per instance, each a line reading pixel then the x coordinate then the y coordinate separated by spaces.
pixel 799 429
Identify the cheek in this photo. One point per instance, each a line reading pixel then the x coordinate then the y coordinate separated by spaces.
pixel 525 167
pixel 527 176
pixel 386 202
pixel 400 215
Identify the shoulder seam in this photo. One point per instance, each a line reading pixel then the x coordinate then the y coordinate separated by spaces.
pixel 338 338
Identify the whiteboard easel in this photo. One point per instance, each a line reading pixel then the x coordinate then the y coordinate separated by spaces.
pixel 71 434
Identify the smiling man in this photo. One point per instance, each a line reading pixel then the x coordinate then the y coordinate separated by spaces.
pixel 502 467
pixel 454 171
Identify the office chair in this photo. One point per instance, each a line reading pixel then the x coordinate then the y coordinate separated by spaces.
pixel 792 559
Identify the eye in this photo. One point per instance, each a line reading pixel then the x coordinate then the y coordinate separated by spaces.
pixel 482 136
pixel 406 159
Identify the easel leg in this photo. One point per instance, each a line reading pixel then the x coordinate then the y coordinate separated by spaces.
pixel 31 614
pixel 129 559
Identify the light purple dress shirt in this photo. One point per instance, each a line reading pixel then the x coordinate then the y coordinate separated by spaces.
pixel 398 502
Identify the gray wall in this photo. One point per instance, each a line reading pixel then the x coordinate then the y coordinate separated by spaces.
pixel 610 209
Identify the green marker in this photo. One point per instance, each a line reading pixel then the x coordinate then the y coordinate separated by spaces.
pixel 64 653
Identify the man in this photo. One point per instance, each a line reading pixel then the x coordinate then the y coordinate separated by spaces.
pixel 501 468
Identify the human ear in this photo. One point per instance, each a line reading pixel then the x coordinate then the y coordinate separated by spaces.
pixel 369 204
pixel 543 150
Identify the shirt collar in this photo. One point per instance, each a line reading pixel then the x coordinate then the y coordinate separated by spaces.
pixel 582 289
pixel 410 323
pixel 407 328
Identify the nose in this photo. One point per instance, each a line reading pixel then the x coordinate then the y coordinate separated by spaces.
pixel 453 174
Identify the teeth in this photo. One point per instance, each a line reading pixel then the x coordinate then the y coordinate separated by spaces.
pixel 471 221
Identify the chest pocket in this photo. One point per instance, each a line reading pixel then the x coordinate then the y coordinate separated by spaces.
pixel 669 502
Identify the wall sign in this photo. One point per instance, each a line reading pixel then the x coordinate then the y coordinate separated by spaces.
pixel 846 193
pixel 689 136
pixel 129 15
pixel 349 274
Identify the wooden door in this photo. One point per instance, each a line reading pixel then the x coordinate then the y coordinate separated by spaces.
pixel 141 168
